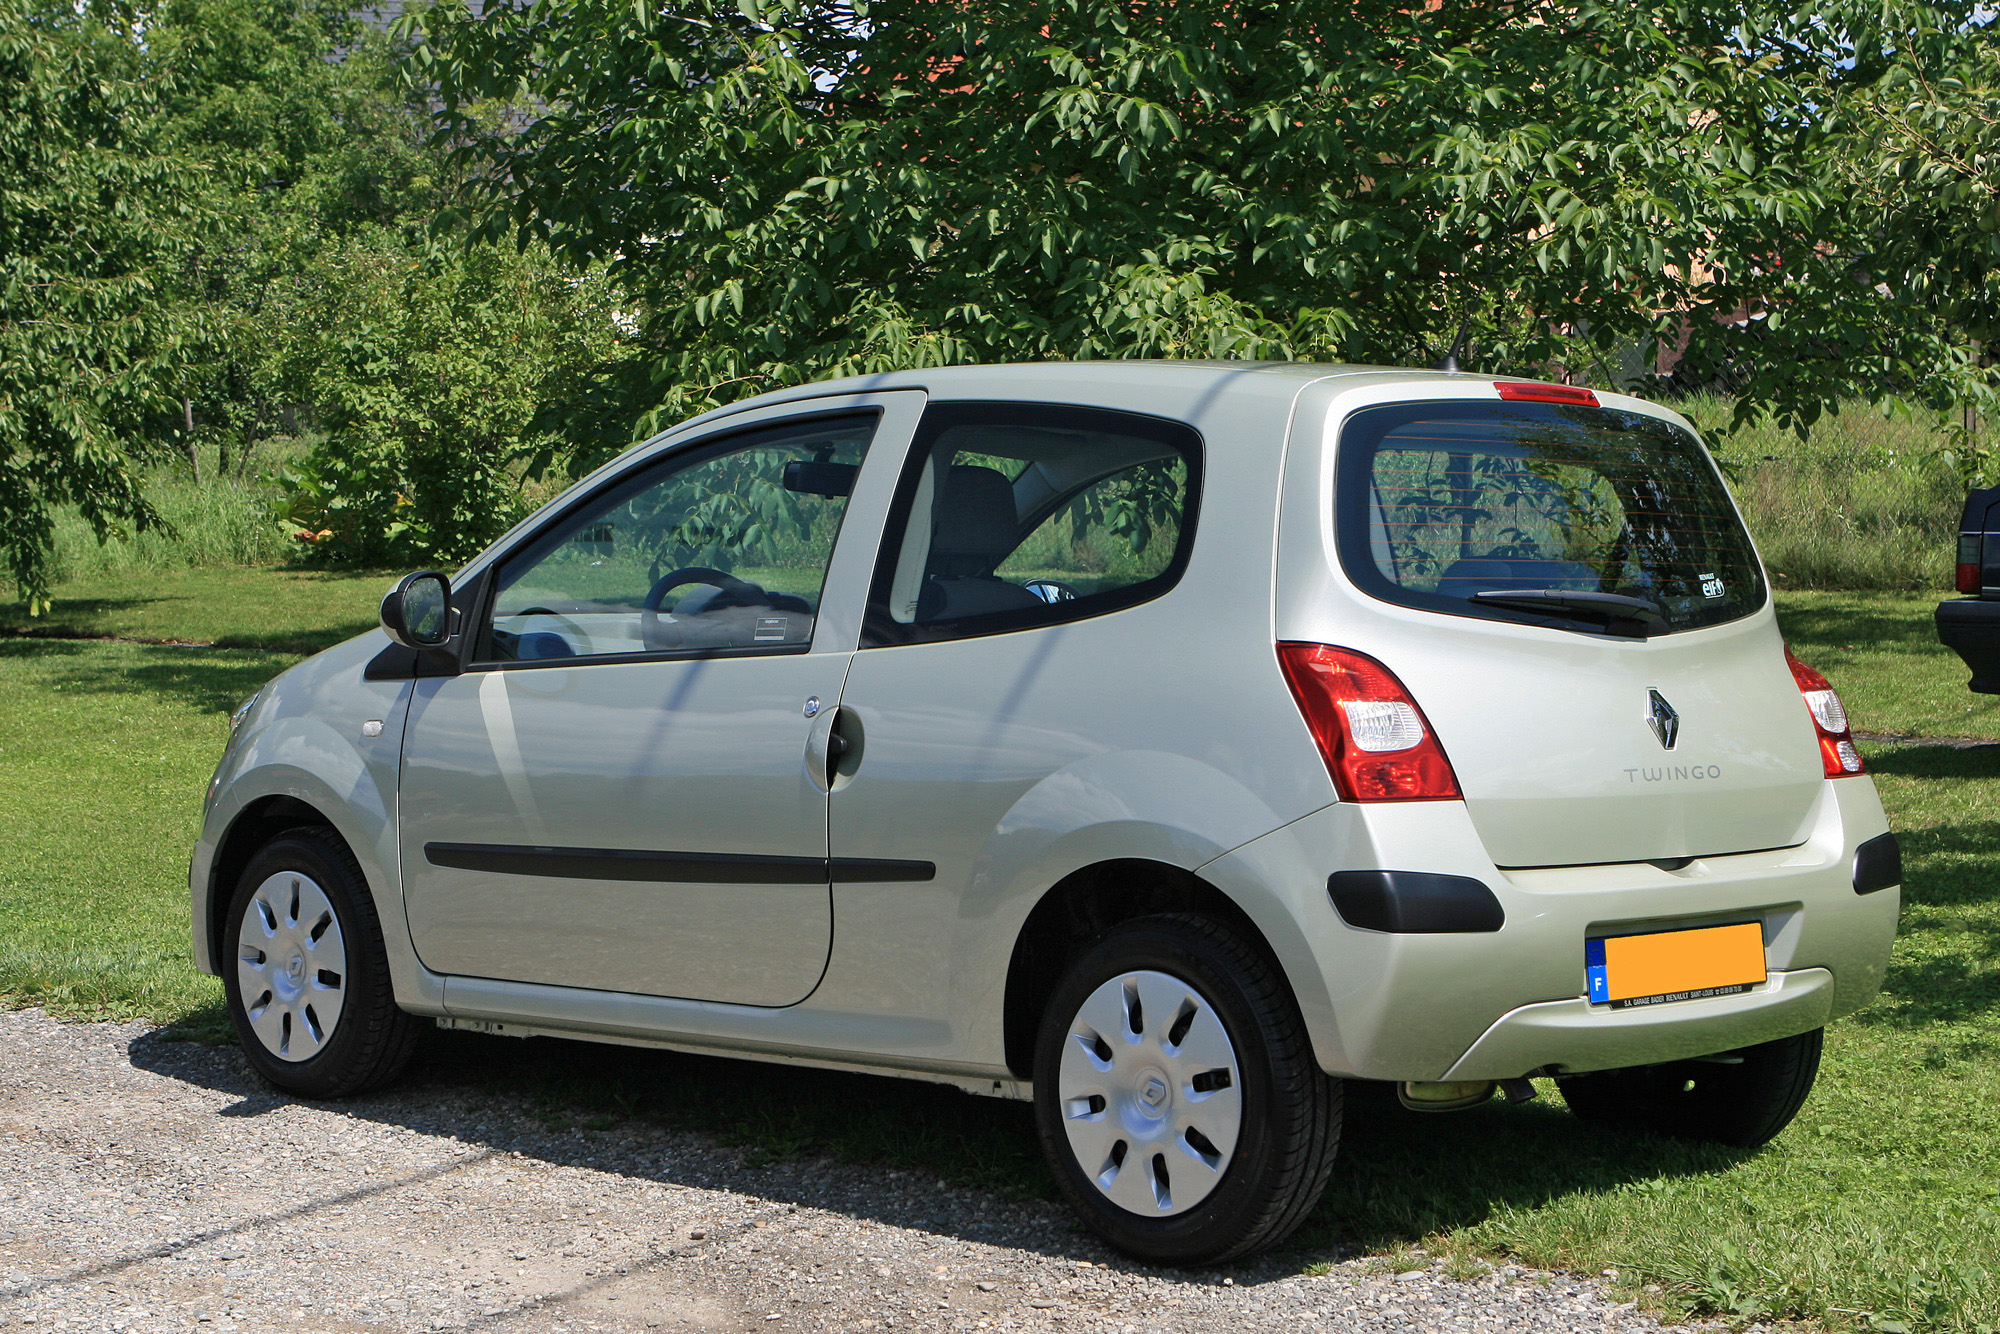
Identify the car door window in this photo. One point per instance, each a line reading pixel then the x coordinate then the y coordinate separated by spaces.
pixel 1011 515
pixel 1113 534
pixel 723 549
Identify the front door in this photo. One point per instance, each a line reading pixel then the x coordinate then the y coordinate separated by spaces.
pixel 616 795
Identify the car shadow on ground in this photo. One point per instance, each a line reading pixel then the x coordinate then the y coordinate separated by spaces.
pixel 838 1141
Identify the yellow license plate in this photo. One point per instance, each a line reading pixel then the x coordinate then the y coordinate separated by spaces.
pixel 1628 971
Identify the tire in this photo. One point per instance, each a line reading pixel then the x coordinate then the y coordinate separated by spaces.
pixel 305 974
pixel 1742 1098
pixel 1212 1166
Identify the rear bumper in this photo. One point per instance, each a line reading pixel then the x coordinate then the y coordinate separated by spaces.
pixel 1578 1036
pixel 1970 627
pixel 1503 1003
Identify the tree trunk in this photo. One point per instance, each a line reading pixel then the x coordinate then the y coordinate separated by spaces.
pixel 194 456
pixel 250 437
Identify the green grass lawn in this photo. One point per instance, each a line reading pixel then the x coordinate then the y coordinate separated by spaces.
pixel 1879 1207
pixel 104 751
pixel 1881 652
pixel 281 611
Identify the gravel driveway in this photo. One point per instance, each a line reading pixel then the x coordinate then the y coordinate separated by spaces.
pixel 156 1185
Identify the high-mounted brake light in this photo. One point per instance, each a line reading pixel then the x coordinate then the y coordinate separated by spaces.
pixel 1375 740
pixel 1836 741
pixel 1968 562
pixel 1526 391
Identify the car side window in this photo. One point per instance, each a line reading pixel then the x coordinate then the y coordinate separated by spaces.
pixel 724 548
pixel 1012 515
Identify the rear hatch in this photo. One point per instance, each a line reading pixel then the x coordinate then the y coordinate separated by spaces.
pixel 1593 651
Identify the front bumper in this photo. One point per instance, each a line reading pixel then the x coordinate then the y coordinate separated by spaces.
pixel 1501 1004
pixel 1970 627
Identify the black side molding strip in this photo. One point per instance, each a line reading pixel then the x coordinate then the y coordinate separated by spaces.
pixel 1414 902
pixel 728 868
pixel 1878 864
pixel 876 870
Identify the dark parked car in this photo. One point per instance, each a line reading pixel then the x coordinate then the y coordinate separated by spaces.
pixel 1970 626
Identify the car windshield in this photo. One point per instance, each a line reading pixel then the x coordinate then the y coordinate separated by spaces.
pixel 1589 518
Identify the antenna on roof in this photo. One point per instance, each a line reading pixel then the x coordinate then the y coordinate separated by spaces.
pixel 1449 361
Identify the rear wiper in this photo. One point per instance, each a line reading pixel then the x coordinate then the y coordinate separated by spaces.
pixel 1613 607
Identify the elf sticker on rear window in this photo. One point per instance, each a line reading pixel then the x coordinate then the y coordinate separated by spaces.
pixel 1711 587
pixel 771 629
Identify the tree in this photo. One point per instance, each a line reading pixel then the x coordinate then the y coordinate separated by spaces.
pixel 795 189
pixel 91 213
pixel 421 365
pixel 427 372
pixel 309 139
pixel 1928 176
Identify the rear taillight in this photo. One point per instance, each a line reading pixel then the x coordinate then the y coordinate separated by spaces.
pixel 1375 740
pixel 1968 562
pixel 1529 391
pixel 1829 715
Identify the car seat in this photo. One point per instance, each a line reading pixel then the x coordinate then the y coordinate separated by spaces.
pixel 974 526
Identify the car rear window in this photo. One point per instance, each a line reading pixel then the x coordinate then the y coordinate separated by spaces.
pixel 1438 503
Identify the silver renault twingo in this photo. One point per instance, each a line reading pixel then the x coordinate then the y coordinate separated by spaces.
pixel 1161 742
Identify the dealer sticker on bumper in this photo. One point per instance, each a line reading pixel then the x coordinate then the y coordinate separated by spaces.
pixel 1629 971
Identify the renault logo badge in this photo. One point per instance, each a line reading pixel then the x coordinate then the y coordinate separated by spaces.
pixel 1660 716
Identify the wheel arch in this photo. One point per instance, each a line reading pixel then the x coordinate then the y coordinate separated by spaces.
pixel 254 826
pixel 1077 910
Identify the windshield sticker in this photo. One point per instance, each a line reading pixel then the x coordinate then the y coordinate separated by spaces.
pixel 1711 587
pixel 771 629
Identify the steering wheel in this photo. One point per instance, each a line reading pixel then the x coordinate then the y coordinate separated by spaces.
pixel 1051 590
pixel 582 644
pixel 740 593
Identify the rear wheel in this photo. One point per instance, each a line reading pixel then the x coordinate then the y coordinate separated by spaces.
pixel 1740 1097
pixel 305 973
pixel 1177 1096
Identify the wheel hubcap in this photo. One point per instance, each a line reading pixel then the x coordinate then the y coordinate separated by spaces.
pixel 1150 1092
pixel 291 966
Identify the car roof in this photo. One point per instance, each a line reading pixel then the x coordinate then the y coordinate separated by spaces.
pixel 1180 389
pixel 1042 377
pixel 1120 383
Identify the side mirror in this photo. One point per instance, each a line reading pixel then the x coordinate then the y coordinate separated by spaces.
pixel 816 477
pixel 417 611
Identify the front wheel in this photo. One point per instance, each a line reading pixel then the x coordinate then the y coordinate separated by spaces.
pixel 1177 1096
pixel 1743 1098
pixel 305 973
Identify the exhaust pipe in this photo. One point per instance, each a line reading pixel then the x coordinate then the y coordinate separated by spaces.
pixel 1456 1095
pixel 1443 1095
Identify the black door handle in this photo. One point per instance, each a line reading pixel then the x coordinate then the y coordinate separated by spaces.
pixel 843 745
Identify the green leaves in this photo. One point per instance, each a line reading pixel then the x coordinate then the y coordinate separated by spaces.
pixel 1801 203
pixel 792 191
pixel 90 214
pixel 428 374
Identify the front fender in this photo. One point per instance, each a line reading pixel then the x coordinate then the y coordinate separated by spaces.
pixel 306 740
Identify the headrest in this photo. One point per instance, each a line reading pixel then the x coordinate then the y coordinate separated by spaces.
pixel 975 514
